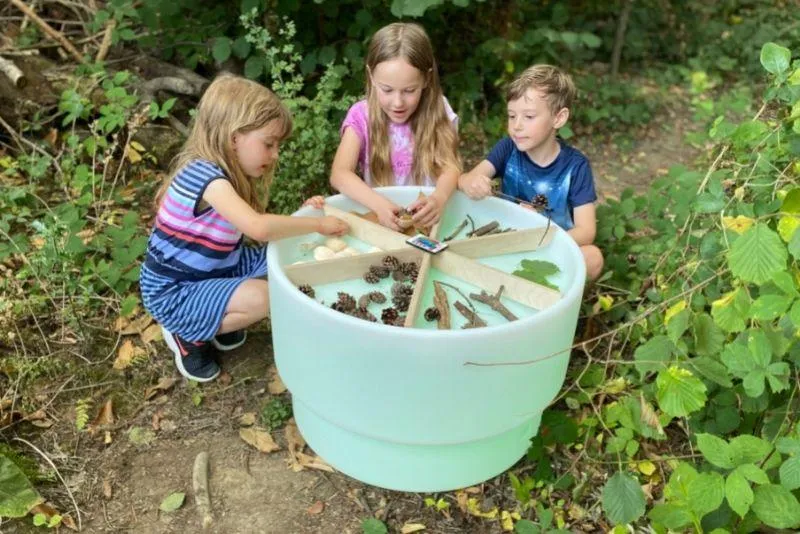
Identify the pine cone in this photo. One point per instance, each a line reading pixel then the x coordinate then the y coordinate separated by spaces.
pixel 401 302
pixel 377 297
pixel 348 302
pixel 371 278
pixel 400 289
pixel 539 202
pixel 339 307
pixel 398 276
pixel 400 321
pixel 413 277
pixel 409 268
pixel 307 289
pixel 432 314
pixel 380 271
pixel 389 315
pixel 363 301
pixel 363 313
pixel 391 262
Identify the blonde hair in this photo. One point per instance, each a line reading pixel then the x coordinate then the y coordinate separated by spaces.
pixel 435 139
pixel 557 86
pixel 230 105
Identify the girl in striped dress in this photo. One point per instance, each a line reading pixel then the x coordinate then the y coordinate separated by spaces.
pixel 198 279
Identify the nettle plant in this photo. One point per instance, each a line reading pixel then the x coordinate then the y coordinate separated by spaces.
pixel 709 293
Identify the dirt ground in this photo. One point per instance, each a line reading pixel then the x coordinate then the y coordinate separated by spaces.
pixel 119 486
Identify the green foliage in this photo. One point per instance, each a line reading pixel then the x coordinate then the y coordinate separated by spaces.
pixel 719 272
pixel 538 271
pixel 275 413
pixel 172 502
pixel 17 495
pixel 373 526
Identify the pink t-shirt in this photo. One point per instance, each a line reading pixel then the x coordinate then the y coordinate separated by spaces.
pixel 401 139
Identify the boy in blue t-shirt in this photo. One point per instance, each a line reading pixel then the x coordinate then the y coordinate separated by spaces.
pixel 533 161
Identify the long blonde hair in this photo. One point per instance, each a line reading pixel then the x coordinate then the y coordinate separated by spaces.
pixel 230 105
pixel 435 139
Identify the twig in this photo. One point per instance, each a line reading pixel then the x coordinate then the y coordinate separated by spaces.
pixel 12 71
pixel 49 30
pixel 474 320
pixel 493 301
pixel 58 474
pixel 200 485
pixel 483 230
pixel 105 45
pixel 441 303
pixel 469 301
pixel 471 224
pixel 457 230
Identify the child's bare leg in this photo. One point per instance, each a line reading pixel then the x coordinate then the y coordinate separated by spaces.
pixel 249 304
pixel 594 261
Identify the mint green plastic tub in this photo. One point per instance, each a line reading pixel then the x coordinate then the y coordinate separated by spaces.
pixel 419 409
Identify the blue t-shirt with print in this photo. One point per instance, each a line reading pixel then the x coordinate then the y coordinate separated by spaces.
pixel 567 182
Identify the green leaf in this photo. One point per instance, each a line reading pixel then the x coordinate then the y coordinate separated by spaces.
pixel 775 58
pixel 128 304
pixel 651 356
pixel 754 382
pixel 757 254
pixel 708 203
pixel 738 359
pixel 770 307
pixel 706 493
pixel 677 325
pixel 526 526
pixel 623 499
pixel 707 335
pixel 715 450
pixel 680 392
pixel 738 493
pixel 254 66
pixel 538 271
pixel 753 473
pixel 776 506
pixel 672 516
pixel 172 502
pixel 778 376
pixel 790 473
pixel 241 48
pixel 794 245
pixel 760 348
pixel 713 370
pixel 730 311
pixel 373 526
pixel 788 446
pixel 791 202
pixel 747 449
pixel 17 495
pixel 222 49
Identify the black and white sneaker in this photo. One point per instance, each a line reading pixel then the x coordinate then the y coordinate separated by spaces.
pixel 194 359
pixel 230 340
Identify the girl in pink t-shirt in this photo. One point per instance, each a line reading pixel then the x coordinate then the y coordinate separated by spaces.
pixel 403 133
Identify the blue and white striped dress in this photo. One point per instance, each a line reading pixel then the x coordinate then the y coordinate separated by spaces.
pixel 195 259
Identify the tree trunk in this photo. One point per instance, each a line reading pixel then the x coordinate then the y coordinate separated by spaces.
pixel 619 40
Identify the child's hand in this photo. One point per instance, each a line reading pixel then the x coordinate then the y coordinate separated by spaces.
pixel 317 201
pixel 329 225
pixel 387 215
pixel 475 186
pixel 426 211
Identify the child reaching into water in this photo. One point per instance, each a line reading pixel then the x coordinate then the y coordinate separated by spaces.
pixel 403 133
pixel 198 279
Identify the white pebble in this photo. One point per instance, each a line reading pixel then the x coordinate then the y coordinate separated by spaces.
pixel 323 253
pixel 336 244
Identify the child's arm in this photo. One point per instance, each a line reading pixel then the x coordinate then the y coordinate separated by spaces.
pixel 477 183
pixel 585 224
pixel 346 181
pixel 221 196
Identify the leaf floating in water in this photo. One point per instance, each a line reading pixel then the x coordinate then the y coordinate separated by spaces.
pixel 538 271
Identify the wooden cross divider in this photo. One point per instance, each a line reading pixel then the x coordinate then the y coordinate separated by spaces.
pixel 458 261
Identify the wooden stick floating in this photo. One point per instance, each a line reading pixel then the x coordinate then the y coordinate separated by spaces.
pixel 474 321
pixel 485 229
pixel 441 303
pixel 493 301
pixel 457 230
